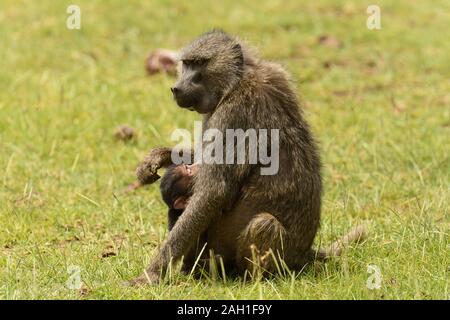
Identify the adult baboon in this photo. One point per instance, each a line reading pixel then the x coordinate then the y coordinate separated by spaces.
pixel 234 89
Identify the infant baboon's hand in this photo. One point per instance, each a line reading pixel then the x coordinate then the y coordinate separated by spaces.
pixel 146 171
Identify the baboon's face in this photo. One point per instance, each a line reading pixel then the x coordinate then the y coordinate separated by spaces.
pixel 210 67
pixel 191 90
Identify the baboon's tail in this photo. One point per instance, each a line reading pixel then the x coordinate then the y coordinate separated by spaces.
pixel 355 235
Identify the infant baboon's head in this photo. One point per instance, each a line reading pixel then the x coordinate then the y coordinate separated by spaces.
pixel 176 185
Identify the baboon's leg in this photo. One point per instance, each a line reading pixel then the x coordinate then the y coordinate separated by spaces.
pixel 204 265
pixel 198 251
pixel 260 245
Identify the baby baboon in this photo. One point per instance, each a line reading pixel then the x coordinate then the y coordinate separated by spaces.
pixel 234 89
pixel 176 190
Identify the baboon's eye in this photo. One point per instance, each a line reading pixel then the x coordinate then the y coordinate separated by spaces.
pixel 197 77
pixel 188 63
pixel 201 62
pixel 194 63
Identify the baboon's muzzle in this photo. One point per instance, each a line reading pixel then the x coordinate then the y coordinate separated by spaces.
pixel 184 98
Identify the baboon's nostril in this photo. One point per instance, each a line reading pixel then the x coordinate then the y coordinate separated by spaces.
pixel 174 90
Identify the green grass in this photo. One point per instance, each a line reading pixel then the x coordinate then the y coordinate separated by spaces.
pixel 379 104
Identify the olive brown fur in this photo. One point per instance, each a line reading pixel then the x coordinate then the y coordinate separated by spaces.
pixel 226 82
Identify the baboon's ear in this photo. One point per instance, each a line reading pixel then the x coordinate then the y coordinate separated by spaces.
pixel 239 55
pixel 181 203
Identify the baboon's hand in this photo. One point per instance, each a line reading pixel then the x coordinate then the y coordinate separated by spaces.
pixel 146 171
pixel 148 278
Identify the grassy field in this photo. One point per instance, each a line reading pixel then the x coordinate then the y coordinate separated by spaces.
pixel 378 101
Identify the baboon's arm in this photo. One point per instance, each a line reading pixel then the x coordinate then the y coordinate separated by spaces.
pixel 216 187
pixel 159 157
